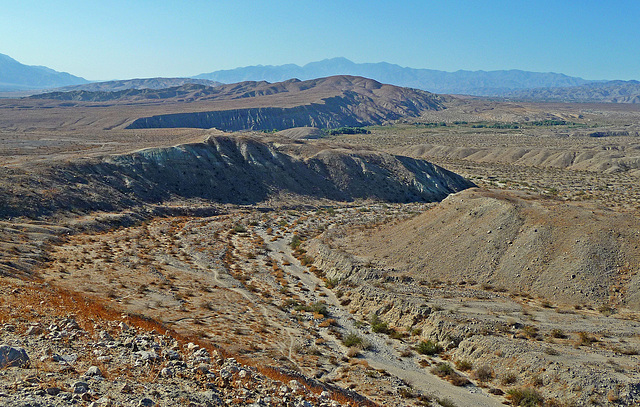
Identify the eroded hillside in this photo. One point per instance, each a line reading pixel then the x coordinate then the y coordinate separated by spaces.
pixel 563 253
pixel 223 169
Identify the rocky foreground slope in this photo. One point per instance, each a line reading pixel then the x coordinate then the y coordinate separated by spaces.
pixel 66 351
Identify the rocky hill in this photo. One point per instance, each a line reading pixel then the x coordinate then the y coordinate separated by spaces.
pixel 480 83
pixel 225 169
pixel 16 76
pixel 327 102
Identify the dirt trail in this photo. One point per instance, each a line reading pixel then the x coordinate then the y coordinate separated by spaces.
pixel 382 355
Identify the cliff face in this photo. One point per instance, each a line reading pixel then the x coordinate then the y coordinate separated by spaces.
pixel 238 170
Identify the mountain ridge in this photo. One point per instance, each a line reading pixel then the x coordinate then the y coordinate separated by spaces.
pixel 479 83
pixel 616 91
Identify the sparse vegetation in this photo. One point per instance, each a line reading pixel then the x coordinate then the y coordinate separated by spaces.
pixel 483 373
pixel 525 397
pixel 428 348
pixel 225 275
pixel 378 325
pixel 353 340
pixel 464 365
pixel 347 130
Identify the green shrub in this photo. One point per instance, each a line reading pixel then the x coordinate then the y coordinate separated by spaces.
pixel 443 369
pixel 393 334
pixel 238 228
pixel 525 397
pixel 428 348
pixel 331 283
pixel 378 325
pixel 353 340
pixel 347 130
pixel 295 242
pixel 463 365
pixel 317 307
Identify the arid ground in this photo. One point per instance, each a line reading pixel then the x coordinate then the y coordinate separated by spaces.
pixel 293 267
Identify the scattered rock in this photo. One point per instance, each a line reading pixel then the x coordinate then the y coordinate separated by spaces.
pixel 10 356
pixel 34 330
pixel 80 387
pixel 93 371
pixel 146 402
pixel 53 391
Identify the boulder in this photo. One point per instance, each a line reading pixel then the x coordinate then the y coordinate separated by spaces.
pixel 10 356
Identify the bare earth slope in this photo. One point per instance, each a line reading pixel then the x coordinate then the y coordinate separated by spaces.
pixel 563 253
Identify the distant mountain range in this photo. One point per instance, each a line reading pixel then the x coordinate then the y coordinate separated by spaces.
pixel 15 76
pixel 608 92
pixel 137 84
pixel 513 84
pixel 480 83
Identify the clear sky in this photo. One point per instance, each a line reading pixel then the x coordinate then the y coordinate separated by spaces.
pixel 121 39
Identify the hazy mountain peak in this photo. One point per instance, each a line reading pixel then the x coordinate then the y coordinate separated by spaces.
pixel 17 76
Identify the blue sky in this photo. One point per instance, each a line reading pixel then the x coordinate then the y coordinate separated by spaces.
pixel 120 39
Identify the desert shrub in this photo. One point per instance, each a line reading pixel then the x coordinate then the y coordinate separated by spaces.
pixel 508 378
pixel 378 325
pixel 238 228
pixel 406 393
pixel 445 371
pixel 525 397
pixel 353 352
pixel 584 339
pixel 355 340
pixel 428 348
pixel 331 283
pixel 445 402
pixel 530 331
pixel 393 334
pixel 306 260
pixel 442 369
pixel 537 381
pixel 316 308
pixel 483 373
pixel 606 310
pixel 295 242
pixel 463 365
